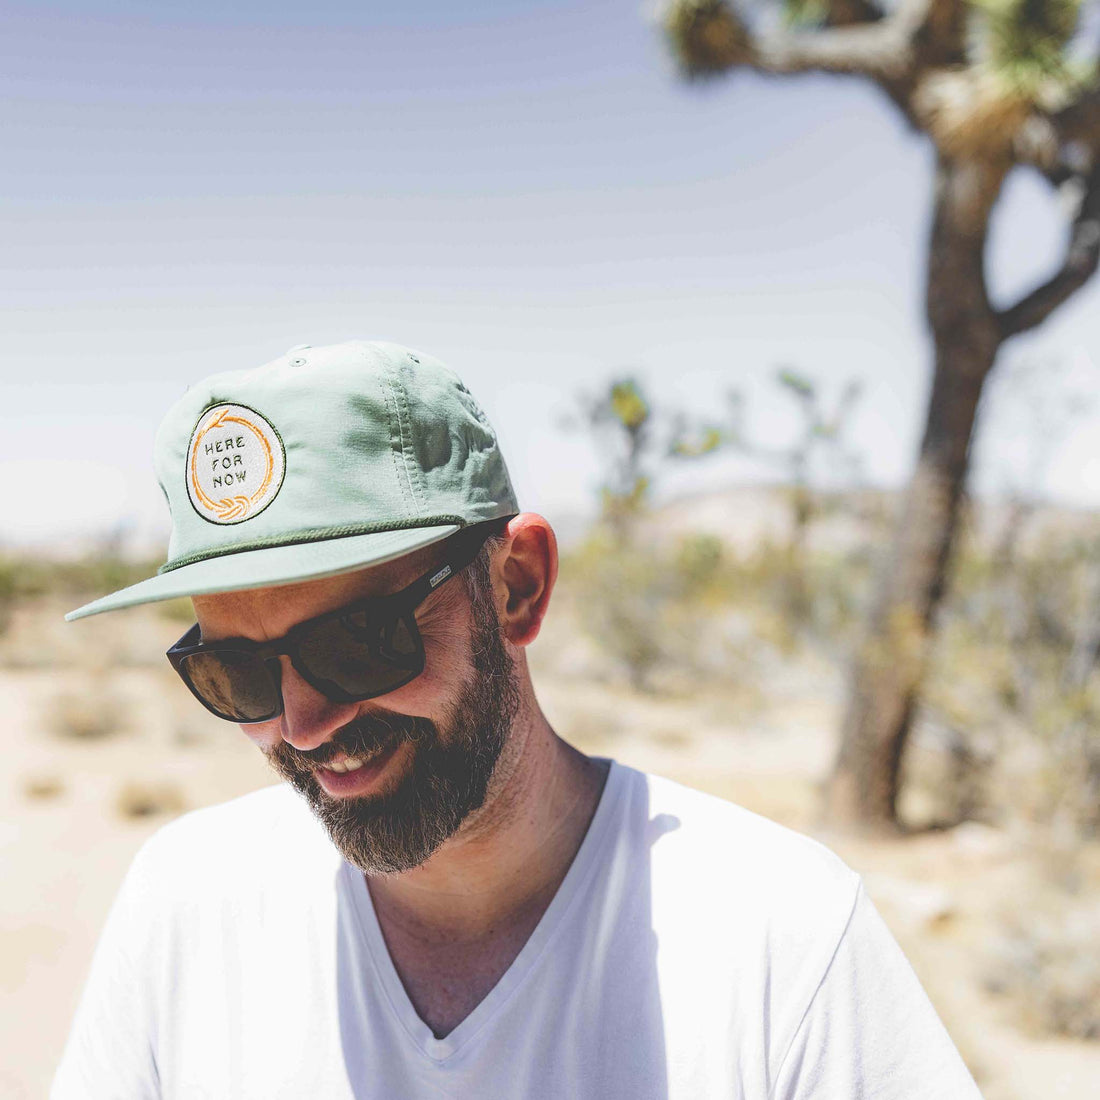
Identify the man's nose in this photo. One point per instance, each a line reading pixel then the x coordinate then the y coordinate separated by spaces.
pixel 309 719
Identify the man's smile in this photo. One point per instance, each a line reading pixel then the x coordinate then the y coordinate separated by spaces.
pixel 354 776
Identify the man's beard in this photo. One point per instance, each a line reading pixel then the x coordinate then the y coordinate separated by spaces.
pixel 447 779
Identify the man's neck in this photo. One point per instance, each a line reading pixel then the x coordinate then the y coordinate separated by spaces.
pixel 505 864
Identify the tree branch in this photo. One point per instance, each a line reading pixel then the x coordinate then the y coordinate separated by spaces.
pixel 936 28
pixel 843 13
pixel 710 37
pixel 919 33
pixel 1079 124
pixel 1081 260
pixel 867 49
pixel 1037 144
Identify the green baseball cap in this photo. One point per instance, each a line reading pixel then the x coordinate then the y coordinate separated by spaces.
pixel 326 460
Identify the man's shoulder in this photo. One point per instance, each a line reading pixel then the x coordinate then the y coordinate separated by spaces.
pixel 266 829
pixel 707 851
pixel 275 807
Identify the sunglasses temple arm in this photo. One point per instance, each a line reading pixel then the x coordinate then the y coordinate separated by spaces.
pixel 457 560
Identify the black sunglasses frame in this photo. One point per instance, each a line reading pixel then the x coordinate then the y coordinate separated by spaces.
pixel 385 612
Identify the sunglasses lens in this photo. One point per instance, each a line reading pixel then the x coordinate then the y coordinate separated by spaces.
pixel 235 685
pixel 360 656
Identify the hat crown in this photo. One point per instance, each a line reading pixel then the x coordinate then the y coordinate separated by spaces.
pixel 326 442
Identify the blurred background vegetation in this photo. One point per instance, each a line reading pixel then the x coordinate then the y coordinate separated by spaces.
pixel 1015 665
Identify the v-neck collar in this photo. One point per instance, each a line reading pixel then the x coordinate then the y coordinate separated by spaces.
pixel 581 870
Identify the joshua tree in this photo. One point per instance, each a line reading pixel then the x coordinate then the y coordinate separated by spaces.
pixel 995 86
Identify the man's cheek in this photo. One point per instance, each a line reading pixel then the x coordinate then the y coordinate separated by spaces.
pixel 447 625
pixel 266 736
pixel 428 696
pixel 447 649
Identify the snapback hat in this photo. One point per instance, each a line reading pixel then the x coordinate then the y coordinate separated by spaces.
pixel 323 461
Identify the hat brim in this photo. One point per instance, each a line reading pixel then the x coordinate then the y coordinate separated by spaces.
pixel 270 566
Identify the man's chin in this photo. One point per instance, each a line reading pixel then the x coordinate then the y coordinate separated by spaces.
pixel 382 829
pixel 375 842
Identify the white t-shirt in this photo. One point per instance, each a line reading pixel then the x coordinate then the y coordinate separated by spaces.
pixel 693 950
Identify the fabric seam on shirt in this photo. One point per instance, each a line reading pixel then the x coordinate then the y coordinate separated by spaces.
pixel 817 988
pixel 376 964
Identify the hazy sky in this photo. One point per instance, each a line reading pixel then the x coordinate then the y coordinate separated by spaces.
pixel 521 188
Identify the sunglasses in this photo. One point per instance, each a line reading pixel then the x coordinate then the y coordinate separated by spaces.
pixel 357 652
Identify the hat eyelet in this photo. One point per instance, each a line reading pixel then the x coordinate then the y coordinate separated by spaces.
pixel 298 361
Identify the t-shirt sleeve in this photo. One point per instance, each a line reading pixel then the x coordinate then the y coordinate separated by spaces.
pixel 870 1031
pixel 110 1050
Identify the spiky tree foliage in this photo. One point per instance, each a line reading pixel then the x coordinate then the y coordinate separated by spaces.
pixel 621 418
pixel 996 86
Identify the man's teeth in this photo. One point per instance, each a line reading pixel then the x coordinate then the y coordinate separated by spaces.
pixel 350 763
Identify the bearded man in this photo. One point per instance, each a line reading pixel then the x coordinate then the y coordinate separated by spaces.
pixel 460 904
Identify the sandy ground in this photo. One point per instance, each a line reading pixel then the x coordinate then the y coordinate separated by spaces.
pixel 74 810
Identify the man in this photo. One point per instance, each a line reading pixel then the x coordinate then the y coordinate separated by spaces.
pixel 462 904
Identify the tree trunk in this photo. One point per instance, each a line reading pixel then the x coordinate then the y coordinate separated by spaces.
pixel 890 660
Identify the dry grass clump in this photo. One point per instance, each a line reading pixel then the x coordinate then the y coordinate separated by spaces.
pixel 42 787
pixel 92 714
pixel 149 799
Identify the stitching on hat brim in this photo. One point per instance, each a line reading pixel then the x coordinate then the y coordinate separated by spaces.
pixel 316 534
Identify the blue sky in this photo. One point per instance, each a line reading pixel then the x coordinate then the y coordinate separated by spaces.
pixel 523 189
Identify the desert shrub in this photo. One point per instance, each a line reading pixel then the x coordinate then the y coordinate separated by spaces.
pixel 43 787
pixel 839 586
pixel 149 799
pixel 8 592
pixel 85 715
pixel 945 773
pixel 700 564
pixel 1044 963
pixel 815 598
pixel 650 605
pixel 1014 668
pixel 21 579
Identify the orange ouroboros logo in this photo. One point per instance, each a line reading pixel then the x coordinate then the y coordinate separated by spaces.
pixel 235 464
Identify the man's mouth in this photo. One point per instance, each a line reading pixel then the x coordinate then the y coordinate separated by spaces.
pixel 343 764
pixel 356 776
pixel 356 763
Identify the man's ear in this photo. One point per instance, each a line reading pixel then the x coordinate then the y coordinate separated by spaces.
pixel 526 569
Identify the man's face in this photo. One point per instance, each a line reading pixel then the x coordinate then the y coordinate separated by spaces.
pixel 391 778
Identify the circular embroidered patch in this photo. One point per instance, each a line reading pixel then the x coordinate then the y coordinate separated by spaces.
pixel 235 464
